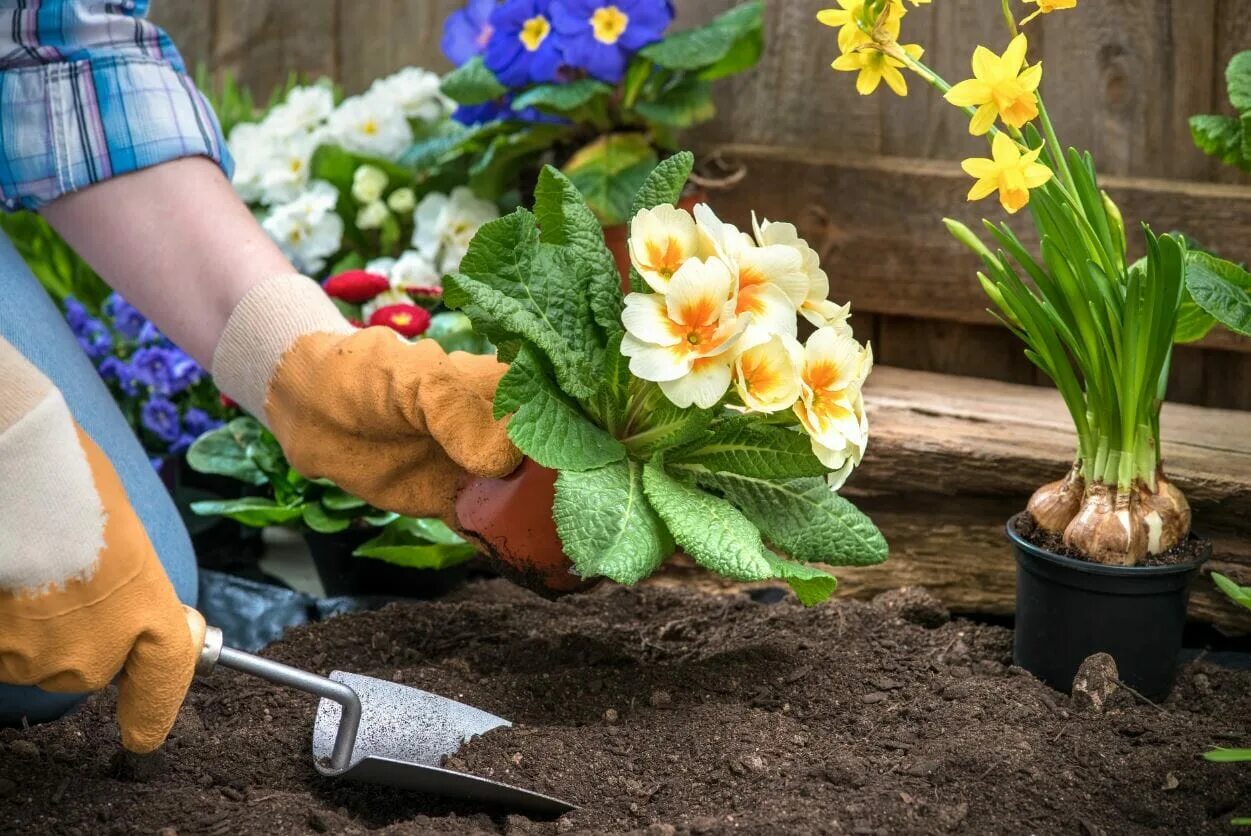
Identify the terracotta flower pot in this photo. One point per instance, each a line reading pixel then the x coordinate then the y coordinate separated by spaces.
pixel 617 237
pixel 511 520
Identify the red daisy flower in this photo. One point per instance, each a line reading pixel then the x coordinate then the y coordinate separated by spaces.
pixel 356 286
pixel 409 320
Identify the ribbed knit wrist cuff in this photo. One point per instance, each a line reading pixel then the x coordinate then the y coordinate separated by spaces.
pixel 262 327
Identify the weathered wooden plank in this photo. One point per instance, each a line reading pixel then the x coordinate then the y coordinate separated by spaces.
pixel 952 458
pixel 379 37
pixel 190 25
pixel 1232 35
pixel 876 223
pixel 953 348
pixel 263 41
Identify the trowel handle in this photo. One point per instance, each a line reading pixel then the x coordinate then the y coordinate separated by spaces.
pixel 214 653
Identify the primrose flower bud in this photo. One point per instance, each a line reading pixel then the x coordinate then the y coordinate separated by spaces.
pixel 402 201
pixel 372 215
pixel 368 183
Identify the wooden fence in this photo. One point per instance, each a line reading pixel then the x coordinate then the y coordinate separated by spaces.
pixel 867 179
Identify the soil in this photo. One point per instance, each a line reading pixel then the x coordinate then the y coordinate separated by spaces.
pixel 664 711
pixel 1192 550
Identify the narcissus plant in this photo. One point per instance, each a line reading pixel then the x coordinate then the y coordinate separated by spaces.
pixel 685 414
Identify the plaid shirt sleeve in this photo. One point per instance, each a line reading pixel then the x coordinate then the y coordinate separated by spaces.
pixel 90 90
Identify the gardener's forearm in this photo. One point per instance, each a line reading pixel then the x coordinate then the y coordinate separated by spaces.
pixel 176 241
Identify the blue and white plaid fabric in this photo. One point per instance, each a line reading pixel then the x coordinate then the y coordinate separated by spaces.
pixel 90 90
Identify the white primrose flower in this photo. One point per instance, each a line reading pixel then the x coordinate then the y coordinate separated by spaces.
pixel 372 215
pixel 661 241
pixel 767 376
pixel 412 269
pixel 831 406
pixel 286 170
pixel 368 183
pixel 770 282
pixel 304 110
pixel 443 226
pixel 402 200
pixel 815 304
pixel 685 339
pixel 307 229
pixel 380 266
pixel 252 150
pixel 368 125
pixel 415 93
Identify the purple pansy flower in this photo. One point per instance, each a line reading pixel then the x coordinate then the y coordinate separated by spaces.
pixel 150 335
pixel 118 371
pixel 154 368
pixel 125 317
pixel 76 315
pixel 160 417
pixel 197 422
pixel 468 31
pixel 184 371
pixel 95 338
pixel 599 36
pixel 523 48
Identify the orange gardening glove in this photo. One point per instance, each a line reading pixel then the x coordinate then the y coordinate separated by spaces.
pixel 398 424
pixel 82 593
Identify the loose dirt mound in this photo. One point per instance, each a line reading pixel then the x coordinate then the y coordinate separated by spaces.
pixel 665 711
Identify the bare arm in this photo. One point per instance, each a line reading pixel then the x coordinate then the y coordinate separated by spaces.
pixel 176 241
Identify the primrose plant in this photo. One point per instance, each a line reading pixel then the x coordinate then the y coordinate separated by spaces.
pixel 685 414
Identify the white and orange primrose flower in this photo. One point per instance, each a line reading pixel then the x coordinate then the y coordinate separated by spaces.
pixel 661 241
pixel 769 281
pixel 685 338
pixel 815 304
pixel 831 407
pixel 767 375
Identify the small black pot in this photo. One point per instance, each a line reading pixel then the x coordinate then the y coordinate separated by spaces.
pixel 1068 609
pixel 344 574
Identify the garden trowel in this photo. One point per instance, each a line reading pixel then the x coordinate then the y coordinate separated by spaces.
pixel 384 733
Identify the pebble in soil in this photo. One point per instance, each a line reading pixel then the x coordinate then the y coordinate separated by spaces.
pixel 668 712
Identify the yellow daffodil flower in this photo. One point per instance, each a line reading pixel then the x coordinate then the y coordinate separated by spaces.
pixel 766 376
pixel 685 338
pixel 1010 172
pixel 875 67
pixel 1046 7
pixel 850 17
pixel 1001 87
pixel 661 240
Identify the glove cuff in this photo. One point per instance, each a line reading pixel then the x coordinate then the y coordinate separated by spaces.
pixel 263 326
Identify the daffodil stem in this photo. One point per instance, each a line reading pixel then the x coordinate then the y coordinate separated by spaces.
pixel 1058 150
pixel 933 79
pixel 1008 18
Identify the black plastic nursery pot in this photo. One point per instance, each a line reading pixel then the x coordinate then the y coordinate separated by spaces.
pixel 344 574
pixel 1068 609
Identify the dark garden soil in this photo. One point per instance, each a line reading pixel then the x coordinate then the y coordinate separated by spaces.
pixel 665 711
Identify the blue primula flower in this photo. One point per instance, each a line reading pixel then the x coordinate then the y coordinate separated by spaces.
pixel 76 315
pixel 501 109
pixel 154 367
pixel 599 36
pixel 125 317
pixel 116 370
pixel 523 48
pixel 468 31
pixel 160 417
pixel 95 338
pixel 184 371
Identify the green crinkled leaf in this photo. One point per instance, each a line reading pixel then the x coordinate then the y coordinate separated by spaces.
pixel 709 529
pixel 607 525
pixel 546 425
pixel 687 103
pixel 1193 322
pixel 562 98
pixel 566 220
pixel 804 518
pixel 748 446
pixel 1238 81
pixel 498 170
pixel 1220 288
pixel 253 511
pixel 511 287
pixel 661 425
pixel 665 183
pixel 225 451
pixel 337 499
pixel 1221 137
pixel 612 397
pixel 708 45
pixel 810 584
pixel 1240 595
pixel 472 83
pixel 609 171
pixel 417 544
